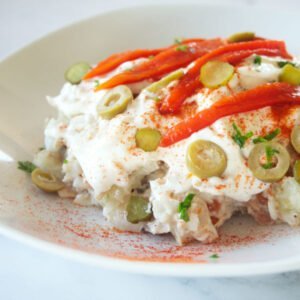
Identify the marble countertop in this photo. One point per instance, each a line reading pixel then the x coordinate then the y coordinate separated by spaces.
pixel 27 273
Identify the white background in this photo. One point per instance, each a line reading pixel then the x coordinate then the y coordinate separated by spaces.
pixel 27 273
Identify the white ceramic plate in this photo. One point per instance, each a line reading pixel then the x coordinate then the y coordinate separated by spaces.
pixel 81 233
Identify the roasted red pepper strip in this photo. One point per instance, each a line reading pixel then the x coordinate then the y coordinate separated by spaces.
pixel 265 95
pixel 115 60
pixel 164 62
pixel 190 81
pixel 236 57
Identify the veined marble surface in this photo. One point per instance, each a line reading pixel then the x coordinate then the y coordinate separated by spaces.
pixel 27 273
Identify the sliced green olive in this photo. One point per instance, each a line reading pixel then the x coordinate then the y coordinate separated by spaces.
pixel 279 167
pixel 156 86
pixel 76 72
pixel 115 101
pixel 206 159
pixel 216 73
pixel 241 37
pixel 296 171
pixel 46 181
pixel 295 138
pixel 147 139
pixel 290 74
pixel 138 210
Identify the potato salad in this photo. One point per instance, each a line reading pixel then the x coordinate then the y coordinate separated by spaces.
pixel 179 139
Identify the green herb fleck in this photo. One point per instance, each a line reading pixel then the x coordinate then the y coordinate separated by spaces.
pixel 96 82
pixel 239 138
pixel 281 64
pixel 257 60
pixel 184 206
pixel 182 48
pixel 268 165
pixel 41 148
pixel 177 41
pixel 270 136
pixel 65 161
pixel 151 56
pixel 214 256
pixel 26 166
pixel 259 139
pixel 270 152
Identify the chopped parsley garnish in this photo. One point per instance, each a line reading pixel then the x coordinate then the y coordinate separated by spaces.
pixel 214 256
pixel 270 152
pixel 259 139
pixel 257 60
pixel 239 138
pixel 26 166
pixel 41 148
pixel 182 48
pixel 270 136
pixel 281 64
pixel 96 82
pixel 184 206
pixel 65 161
pixel 177 41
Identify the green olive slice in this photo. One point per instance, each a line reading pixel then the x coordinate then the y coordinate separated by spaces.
pixel 275 172
pixel 138 209
pixel 75 73
pixel 216 73
pixel 115 101
pixel 205 159
pixel 296 171
pixel 147 139
pixel 241 37
pixel 290 74
pixel 295 138
pixel 158 85
pixel 46 181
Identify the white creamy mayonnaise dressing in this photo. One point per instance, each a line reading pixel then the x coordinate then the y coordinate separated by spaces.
pixel 105 156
